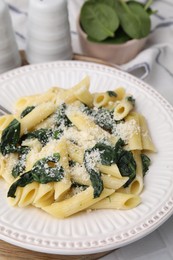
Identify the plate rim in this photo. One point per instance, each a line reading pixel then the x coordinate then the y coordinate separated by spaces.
pixel 149 226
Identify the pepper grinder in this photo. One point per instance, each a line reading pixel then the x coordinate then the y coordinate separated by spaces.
pixel 48 32
pixel 9 53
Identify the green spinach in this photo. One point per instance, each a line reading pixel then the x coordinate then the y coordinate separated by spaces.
pixel 43 135
pixel 112 93
pixel 117 154
pixel 78 185
pixel 127 166
pixel 145 163
pixel 10 137
pixel 115 21
pixel 111 3
pixel 134 20
pixel 131 99
pixel 61 119
pixel 44 171
pixel 95 175
pixel 26 111
pixel 25 179
pixel 119 37
pixel 106 153
pixel 125 161
pixel 98 20
pixel 104 118
pixel 20 166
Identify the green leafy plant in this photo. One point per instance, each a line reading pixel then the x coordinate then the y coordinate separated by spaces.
pixel 10 137
pixel 26 111
pixel 115 21
pixel 110 155
pixel 44 171
pixel 145 163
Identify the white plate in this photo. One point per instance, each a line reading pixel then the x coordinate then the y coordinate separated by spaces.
pixel 105 229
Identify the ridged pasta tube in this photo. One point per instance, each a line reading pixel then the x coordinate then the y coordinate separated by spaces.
pixel 118 201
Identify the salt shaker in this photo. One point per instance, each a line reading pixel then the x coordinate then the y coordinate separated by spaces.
pixel 9 53
pixel 48 32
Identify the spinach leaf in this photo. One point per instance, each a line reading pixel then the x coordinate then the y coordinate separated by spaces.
pixel 111 3
pixel 44 171
pixel 145 163
pixel 112 93
pixel 95 176
pixel 71 163
pixel 125 161
pixel 25 179
pixel 127 166
pixel 20 166
pixel 56 134
pixel 101 116
pixel 104 118
pixel 106 153
pixel 98 20
pixel 118 150
pixel 97 182
pixel 119 37
pixel 131 99
pixel 26 111
pixel 10 137
pixel 109 155
pixel 43 135
pixel 78 185
pixel 61 118
pixel 134 20
pixel 147 7
pixel 143 19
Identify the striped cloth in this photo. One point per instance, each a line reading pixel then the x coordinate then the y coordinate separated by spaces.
pixel 155 66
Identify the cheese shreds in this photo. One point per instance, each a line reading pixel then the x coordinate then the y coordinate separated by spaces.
pixel 79 171
pixel 126 130
pixel 92 159
pixel 83 138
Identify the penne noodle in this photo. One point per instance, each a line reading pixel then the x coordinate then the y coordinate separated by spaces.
pixel 69 150
pixel 36 116
pixel 118 201
pixel 147 143
pixel 122 109
pixel 77 203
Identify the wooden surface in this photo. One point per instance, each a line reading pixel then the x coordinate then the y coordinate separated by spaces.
pixel 11 252
pixel 78 57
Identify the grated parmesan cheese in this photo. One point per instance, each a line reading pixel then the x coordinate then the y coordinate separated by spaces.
pixel 93 159
pixel 125 130
pixel 79 171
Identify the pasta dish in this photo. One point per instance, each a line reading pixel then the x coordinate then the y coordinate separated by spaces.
pixel 66 151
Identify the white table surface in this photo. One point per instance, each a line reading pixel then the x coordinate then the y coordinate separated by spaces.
pixel 155 64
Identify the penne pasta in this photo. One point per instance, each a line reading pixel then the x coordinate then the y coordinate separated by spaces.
pixel 77 203
pixel 122 109
pixel 134 139
pixel 36 116
pixel 28 194
pixel 118 201
pixel 147 143
pixel 69 150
